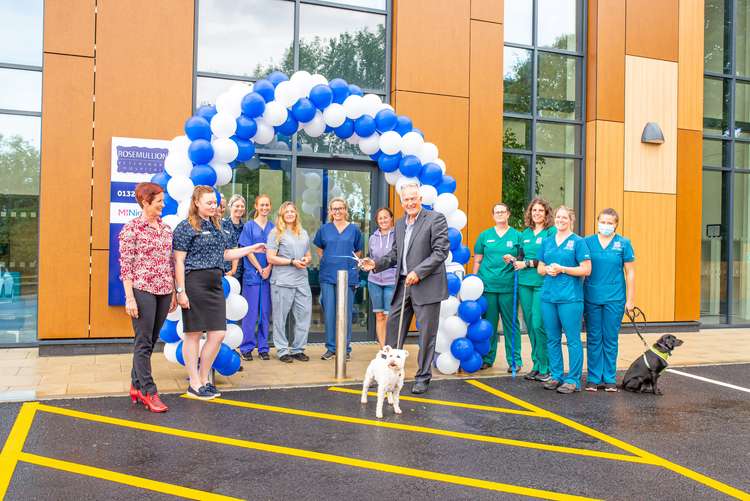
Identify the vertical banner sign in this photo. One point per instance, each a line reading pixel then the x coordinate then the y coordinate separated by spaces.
pixel 133 161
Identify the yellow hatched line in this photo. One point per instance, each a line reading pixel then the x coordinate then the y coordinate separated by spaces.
pixel 317 456
pixel 121 478
pixel 432 431
pixel 446 403
pixel 14 444
pixel 647 456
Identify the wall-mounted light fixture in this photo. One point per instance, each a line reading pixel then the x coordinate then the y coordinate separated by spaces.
pixel 652 134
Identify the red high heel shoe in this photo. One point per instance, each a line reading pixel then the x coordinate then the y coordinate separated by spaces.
pixel 153 402
pixel 134 394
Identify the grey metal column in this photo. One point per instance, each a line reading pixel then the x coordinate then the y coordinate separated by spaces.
pixel 342 299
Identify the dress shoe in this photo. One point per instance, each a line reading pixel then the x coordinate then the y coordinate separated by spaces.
pixel 419 388
pixel 301 357
pixel 153 403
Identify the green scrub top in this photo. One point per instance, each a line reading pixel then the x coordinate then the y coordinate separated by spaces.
pixel 563 288
pixel 606 284
pixel 531 243
pixel 494 272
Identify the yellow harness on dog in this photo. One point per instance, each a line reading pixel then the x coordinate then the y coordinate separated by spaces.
pixel 662 355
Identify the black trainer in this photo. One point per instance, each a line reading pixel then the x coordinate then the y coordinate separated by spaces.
pixel 247 356
pixel 213 389
pixel 301 357
pixel 543 377
pixel 286 358
pixel 264 356
pixel 328 355
pixel 531 376
pixel 201 394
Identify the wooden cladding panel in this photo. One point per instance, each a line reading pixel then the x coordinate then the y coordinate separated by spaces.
pixel 488 10
pixel 69 27
pixel 589 196
pixel 65 192
pixel 106 321
pixel 610 168
pixel 606 61
pixel 690 78
pixel 652 29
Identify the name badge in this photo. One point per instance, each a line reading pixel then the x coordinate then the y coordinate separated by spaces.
pixel 570 245
pixel 509 244
pixel 205 232
pixel 526 241
pixel 617 246
pixel 491 241
pixel 538 240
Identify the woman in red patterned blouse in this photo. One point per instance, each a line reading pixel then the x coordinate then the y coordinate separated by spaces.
pixel 147 273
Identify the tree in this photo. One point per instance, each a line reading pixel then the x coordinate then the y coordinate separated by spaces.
pixel 19 166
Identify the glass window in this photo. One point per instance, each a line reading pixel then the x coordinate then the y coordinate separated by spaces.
pixel 716 153
pixel 742 63
pixel 742 110
pixel 557 180
pixel 369 4
pixel 716 98
pixel 741 155
pixel 558 86
pixel 264 173
pixel 344 44
pixel 557 138
pixel 327 143
pixel 208 89
pixel 21 32
pixel 718 25
pixel 245 37
pixel 713 248
pixel 517 76
pixel 517 21
pixel 20 90
pixel 516 134
pixel 557 24
pixel 741 249
pixel 516 185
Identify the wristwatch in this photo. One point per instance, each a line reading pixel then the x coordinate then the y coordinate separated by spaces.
pixel 179 290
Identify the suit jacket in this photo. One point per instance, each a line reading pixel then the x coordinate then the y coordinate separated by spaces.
pixel 428 250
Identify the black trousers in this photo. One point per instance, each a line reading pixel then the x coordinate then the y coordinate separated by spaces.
pixel 152 311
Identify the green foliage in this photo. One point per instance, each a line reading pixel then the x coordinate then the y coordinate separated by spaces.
pixel 19 166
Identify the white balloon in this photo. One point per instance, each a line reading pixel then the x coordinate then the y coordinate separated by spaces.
pixel 312 180
pixel 179 145
pixel 370 145
pixel 318 79
pixel 230 103
pixel 315 127
pixel 456 219
pixel 390 142
pixel 429 193
pixel 334 115
pixel 265 133
pixel 225 150
pixel 311 209
pixel 275 113
pixel 170 351
pixel 279 145
pixel 177 165
pixel 233 337
pixel 223 124
pixel 241 88
pixel 223 172
pixel 427 153
pixel 236 307
pixel 446 203
pixel 353 139
pixel 180 328
pixel 354 106
pixel 411 143
pixel 442 342
pixel 172 220
pixel 403 180
pixel 312 196
pixel 472 288
pixel 447 363
pixel 180 188
pixel 183 208
pixel 449 259
pixel 234 285
pixel 286 94
pixel 303 81
pixel 454 327
pixel 176 315
pixel 393 177
pixel 371 104
pixel 440 164
pixel 449 307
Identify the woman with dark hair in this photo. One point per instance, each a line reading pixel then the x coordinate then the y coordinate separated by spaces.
pixel 147 274
pixel 232 225
pixel 381 285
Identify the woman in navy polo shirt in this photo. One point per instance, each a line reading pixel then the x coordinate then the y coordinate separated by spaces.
pixel 233 223
pixel 337 242
pixel 200 248
pixel 563 260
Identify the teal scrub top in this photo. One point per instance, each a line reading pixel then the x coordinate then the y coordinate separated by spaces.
pixel 606 284
pixel 531 243
pixel 571 252
pixel 496 274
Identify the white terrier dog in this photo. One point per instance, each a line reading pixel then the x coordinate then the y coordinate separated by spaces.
pixel 387 369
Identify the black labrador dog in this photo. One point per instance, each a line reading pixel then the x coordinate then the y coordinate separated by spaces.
pixel 644 372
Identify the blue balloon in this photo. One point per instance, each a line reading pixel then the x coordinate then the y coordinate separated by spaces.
pixel 454 283
pixel 224 357
pixel 483 304
pixel 409 166
pixel 253 104
pixel 230 365
pixel 206 111
pixel 168 332
pixel 479 330
pixel 461 255
pixel 265 89
pixel 277 77
pixel 376 156
pixel 303 110
pixel 447 185
pixel 454 236
pixel 203 175
pixel 364 126
pixel 345 130
pixel 340 89
pixel 321 96
pixel 226 287
pixel 469 311
pixel 428 207
pixel 386 120
pixel 462 349
pixel 162 178
pixel 178 354
pixel 473 364
pixel 200 151
pixel 246 127
pixel 170 205
pixel 328 129
pixel 355 90
pixel 431 174
pixel 197 128
pixel 404 125
pixel 246 149
pixel 289 127
pixel 482 347
pixel 389 163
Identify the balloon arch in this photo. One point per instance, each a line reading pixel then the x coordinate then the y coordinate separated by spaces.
pixel 221 137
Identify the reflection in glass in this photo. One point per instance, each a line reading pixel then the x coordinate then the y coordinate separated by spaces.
pixel 741 155
pixel 517 74
pixel 327 143
pixel 718 25
pixel 245 37
pixel 716 96
pixel 264 173
pixel 20 90
pixel 557 86
pixel 557 180
pixel 516 134
pixel 741 250
pixel 345 43
pixel 21 32
pixel 370 4
pixel 716 153
pixel 517 21
pixel 516 185
pixel 557 138
pixel 557 24
pixel 742 110
pixel 742 56
pixel 713 248
pixel 208 89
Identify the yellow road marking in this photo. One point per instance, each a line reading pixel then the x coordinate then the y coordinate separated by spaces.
pixel 446 403
pixel 648 456
pixel 432 431
pixel 14 445
pixel 121 478
pixel 317 456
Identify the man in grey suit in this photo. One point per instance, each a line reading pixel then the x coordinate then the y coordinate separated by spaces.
pixel 419 254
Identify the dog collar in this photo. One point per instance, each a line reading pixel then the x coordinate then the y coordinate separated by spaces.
pixel 662 355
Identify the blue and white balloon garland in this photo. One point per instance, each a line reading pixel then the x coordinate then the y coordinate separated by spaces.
pixel 219 138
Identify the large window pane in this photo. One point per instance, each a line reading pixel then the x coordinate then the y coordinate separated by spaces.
pixel 742 110
pixel 557 138
pixel 245 37
pixel 718 25
pixel 716 106
pixel 517 21
pixel 516 186
pixel 742 155
pixel 716 153
pixel 346 44
pixel 557 21
pixel 741 248
pixel 20 90
pixel 517 76
pixel 264 173
pixel 516 134
pixel 370 4
pixel 208 89
pixel 557 180
pixel 742 56
pixel 21 32
pixel 558 86
pixel 713 248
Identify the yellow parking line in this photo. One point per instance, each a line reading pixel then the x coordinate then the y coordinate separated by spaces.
pixel 432 431
pixel 446 403
pixel 14 444
pixel 121 478
pixel 317 456
pixel 649 457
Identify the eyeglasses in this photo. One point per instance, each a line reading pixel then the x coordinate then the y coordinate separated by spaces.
pixel 336 209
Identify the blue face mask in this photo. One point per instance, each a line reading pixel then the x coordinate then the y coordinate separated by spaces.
pixel 606 229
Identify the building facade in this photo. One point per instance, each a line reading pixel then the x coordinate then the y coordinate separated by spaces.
pixel 529 97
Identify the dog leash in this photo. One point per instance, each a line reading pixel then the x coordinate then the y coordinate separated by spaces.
pixel 632 316
pixel 399 344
